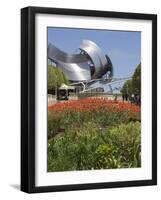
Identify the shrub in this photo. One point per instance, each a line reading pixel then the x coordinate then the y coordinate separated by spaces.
pixel 89 147
pixel 54 123
pixel 73 151
pixel 127 138
pixel 106 157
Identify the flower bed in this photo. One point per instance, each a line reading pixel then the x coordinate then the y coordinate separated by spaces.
pixel 93 133
pixel 94 104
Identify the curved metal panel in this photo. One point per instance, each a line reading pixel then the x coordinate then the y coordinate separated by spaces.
pixel 75 71
pixel 57 54
pixel 74 66
pixel 89 64
pixel 96 55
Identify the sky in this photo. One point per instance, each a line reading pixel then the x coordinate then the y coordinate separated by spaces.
pixel 123 48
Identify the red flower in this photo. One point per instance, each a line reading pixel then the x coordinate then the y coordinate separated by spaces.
pixel 94 104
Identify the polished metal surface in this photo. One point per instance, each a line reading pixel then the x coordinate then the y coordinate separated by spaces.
pixel 96 55
pixel 89 64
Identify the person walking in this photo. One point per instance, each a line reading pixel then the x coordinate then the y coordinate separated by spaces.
pixel 132 98
pixel 126 97
pixel 123 97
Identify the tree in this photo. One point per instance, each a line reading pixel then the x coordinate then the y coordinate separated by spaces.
pixel 136 80
pixel 127 88
pixel 51 78
pixel 55 78
pixel 133 86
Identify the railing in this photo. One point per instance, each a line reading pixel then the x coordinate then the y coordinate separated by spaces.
pixel 99 94
pixel 52 98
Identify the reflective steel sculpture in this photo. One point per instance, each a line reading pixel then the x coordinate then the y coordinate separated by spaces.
pixel 90 68
pixel 90 63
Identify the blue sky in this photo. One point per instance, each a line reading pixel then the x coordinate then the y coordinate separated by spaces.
pixel 123 48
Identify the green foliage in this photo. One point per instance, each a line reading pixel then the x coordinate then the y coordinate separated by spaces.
pixel 89 147
pixel 54 124
pixel 136 80
pixel 74 150
pixel 127 88
pixel 55 78
pixel 133 86
pixel 59 121
pixel 127 139
pixel 106 157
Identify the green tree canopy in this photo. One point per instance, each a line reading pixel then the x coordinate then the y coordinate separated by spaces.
pixel 133 86
pixel 136 80
pixel 55 78
pixel 127 88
